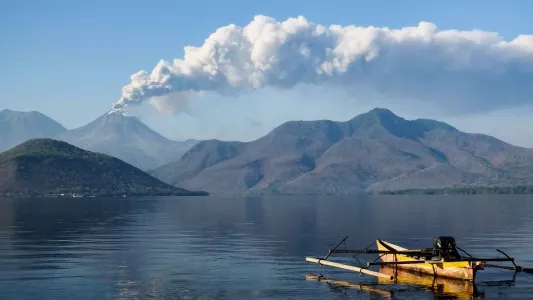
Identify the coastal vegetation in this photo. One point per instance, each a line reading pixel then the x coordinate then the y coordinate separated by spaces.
pixel 477 190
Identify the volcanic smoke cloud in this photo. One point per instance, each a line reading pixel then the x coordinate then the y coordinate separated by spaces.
pixel 472 70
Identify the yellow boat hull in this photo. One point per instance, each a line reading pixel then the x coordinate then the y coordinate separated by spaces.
pixel 439 286
pixel 462 270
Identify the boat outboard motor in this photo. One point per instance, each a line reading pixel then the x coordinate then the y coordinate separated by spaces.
pixel 444 248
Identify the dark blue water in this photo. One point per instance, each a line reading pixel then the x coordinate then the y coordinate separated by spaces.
pixel 229 248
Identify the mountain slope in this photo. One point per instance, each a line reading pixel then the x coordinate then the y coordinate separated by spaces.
pixel 17 127
pixel 374 151
pixel 118 134
pixel 42 166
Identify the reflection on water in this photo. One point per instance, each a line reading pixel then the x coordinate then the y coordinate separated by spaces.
pixel 411 284
pixel 338 285
pixel 451 288
pixel 228 248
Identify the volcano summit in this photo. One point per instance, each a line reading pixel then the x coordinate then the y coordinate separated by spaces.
pixel 124 136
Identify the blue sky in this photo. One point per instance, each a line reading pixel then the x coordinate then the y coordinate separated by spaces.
pixel 70 59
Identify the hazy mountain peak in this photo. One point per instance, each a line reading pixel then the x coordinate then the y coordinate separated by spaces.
pixel 17 127
pixel 385 115
pixel 117 115
pixel 384 119
pixel 14 113
pixel 375 116
pixel 119 112
pixel 382 112
pixel 124 136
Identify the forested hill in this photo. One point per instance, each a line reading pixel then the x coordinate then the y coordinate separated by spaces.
pixel 40 167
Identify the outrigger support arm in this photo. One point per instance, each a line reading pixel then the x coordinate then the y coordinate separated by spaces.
pixel 512 260
pixel 324 261
pixel 463 251
pixel 508 258
pixel 516 268
pixel 334 248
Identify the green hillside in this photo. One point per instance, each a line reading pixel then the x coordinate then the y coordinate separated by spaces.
pixel 41 167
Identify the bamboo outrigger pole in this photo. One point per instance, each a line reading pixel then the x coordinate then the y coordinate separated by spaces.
pixel 324 261
pixel 347 267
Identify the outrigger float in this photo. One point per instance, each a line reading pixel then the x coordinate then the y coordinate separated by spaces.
pixel 443 260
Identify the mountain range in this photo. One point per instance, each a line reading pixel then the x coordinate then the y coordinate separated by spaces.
pixel 375 151
pixel 114 133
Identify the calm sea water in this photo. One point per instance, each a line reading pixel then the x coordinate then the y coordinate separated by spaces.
pixel 241 248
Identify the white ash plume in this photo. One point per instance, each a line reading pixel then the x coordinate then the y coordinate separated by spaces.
pixel 473 70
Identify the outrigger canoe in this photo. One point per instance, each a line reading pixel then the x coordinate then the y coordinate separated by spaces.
pixel 443 260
